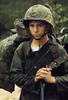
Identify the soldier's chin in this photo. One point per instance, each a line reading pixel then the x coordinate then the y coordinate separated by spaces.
pixel 37 38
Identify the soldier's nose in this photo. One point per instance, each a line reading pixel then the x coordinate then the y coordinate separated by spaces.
pixel 35 29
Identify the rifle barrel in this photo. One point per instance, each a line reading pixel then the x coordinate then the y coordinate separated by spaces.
pixel 42 86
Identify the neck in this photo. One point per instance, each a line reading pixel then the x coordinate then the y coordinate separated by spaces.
pixel 40 42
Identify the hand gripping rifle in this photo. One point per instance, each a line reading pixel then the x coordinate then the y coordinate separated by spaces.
pixel 56 63
pixel 29 78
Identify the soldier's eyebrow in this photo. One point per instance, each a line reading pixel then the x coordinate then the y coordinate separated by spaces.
pixel 31 24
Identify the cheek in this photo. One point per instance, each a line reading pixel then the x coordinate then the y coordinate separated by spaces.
pixel 30 29
pixel 42 30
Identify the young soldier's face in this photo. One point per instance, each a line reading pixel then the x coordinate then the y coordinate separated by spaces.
pixel 37 28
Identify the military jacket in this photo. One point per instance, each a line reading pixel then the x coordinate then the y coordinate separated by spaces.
pixel 24 59
pixel 7 48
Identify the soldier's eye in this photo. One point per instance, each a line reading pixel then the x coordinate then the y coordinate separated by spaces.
pixel 31 25
pixel 40 25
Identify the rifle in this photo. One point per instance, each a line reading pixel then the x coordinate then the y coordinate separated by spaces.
pixel 42 87
pixel 57 62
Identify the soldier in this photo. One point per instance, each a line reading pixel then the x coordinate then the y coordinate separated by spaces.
pixel 31 58
pixel 7 48
pixel 65 42
pixel 63 37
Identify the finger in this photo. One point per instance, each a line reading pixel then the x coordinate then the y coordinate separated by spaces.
pixel 44 69
pixel 42 73
pixel 38 78
pixel 47 69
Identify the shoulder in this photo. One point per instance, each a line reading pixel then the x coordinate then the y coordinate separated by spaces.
pixel 19 55
pixel 7 46
pixel 57 50
pixel 22 45
pixel 60 49
pixel 7 49
pixel 9 41
pixel 22 48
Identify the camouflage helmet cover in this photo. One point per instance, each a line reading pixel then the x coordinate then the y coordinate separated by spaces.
pixel 39 12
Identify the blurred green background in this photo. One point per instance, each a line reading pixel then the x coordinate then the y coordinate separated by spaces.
pixel 12 9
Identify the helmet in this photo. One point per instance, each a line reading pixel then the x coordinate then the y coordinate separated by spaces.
pixel 65 38
pixel 64 30
pixel 20 29
pixel 38 12
pixel 18 22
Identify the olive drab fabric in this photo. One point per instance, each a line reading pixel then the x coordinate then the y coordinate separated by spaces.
pixel 65 42
pixel 39 12
pixel 65 39
pixel 7 48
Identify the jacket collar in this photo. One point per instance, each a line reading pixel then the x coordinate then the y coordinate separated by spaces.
pixel 51 41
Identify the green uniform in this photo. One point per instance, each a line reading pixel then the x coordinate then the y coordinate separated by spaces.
pixel 24 59
pixel 64 40
pixel 7 48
